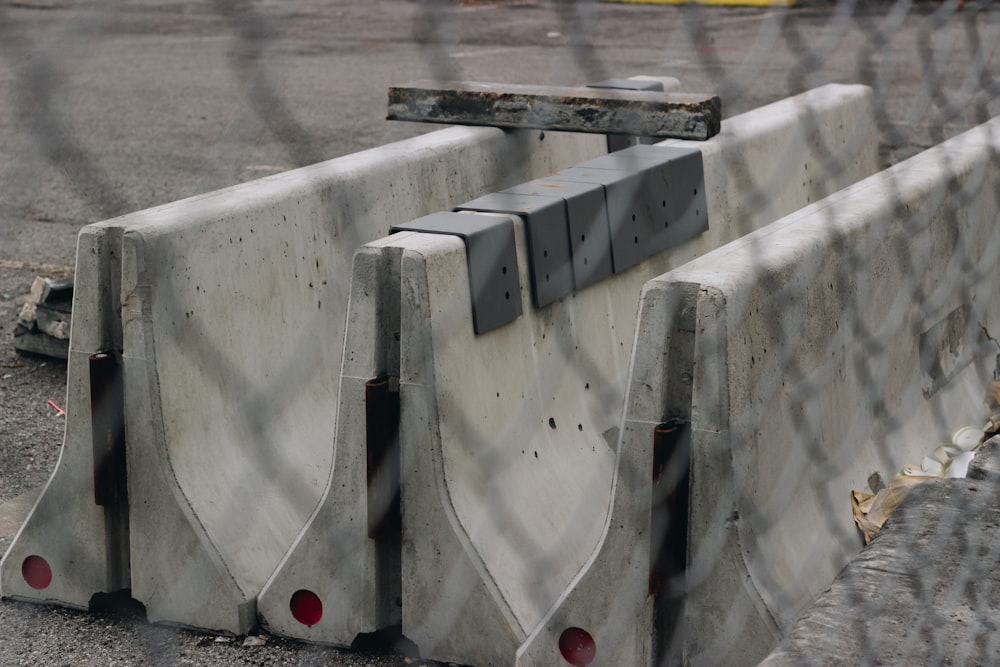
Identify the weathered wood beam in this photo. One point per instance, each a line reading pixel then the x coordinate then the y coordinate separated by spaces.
pixel 595 110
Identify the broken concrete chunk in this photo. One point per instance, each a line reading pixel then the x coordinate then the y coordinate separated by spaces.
pixel 52 322
pixel 26 317
pixel 57 293
pixel 43 323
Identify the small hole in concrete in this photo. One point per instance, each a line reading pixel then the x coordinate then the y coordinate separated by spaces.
pixel 545 253
pixel 552 423
pixel 583 237
pixel 506 295
pixel 504 270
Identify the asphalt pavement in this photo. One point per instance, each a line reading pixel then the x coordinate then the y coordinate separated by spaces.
pixel 108 108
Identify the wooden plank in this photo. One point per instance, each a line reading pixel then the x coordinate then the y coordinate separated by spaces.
pixel 595 110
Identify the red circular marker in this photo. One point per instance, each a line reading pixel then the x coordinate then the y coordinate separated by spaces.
pixel 36 572
pixel 577 647
pixel 306 607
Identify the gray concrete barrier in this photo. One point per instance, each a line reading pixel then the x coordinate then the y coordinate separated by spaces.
pixel 841 340
pixel 217 323
pixel 508 438
pixel 338 579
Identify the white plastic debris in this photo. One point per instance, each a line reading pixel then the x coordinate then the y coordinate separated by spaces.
pixel 932 466
pixel 950 459
pixel 959 466
pixel 967 438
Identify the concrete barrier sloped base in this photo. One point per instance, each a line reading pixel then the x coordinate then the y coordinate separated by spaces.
pixel 70 547
pixel 841 340
pixel 222 320
pixel 340 578
pixel 509 438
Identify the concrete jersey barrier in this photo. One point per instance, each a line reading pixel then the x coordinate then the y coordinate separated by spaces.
pixel 222 320
pixel 316 592
pixel 508 438
pixel 841 340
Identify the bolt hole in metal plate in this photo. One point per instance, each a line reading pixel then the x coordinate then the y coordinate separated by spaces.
pixel 587 217
pixel 548 239
pixel 655 198
pixel 491 256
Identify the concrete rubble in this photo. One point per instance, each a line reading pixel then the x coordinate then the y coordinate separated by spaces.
pixel 44 321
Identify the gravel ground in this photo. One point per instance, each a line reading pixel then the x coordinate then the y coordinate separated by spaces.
pixel 32 432
pixel 105 110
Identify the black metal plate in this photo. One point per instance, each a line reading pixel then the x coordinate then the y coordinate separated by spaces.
pixel 491 255
pixel 548 239
pixel 587 216
pixel 655 198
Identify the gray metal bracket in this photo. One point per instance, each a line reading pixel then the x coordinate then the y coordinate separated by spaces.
pixel 546 227
pixel 491 255
pixel 587 217
pixel 655 198
pixel 617 142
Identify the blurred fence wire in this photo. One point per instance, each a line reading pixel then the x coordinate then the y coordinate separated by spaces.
pixel 234 90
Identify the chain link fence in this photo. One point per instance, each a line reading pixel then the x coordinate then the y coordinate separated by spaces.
pixel 106 109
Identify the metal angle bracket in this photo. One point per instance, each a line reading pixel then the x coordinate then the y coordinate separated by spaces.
pixel 655 197
pixel 492 260
pixel 587 217
pixel 549 257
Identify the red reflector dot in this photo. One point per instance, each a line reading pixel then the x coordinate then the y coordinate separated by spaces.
pixel 577 647
pixel 36 572
pixel 306 607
